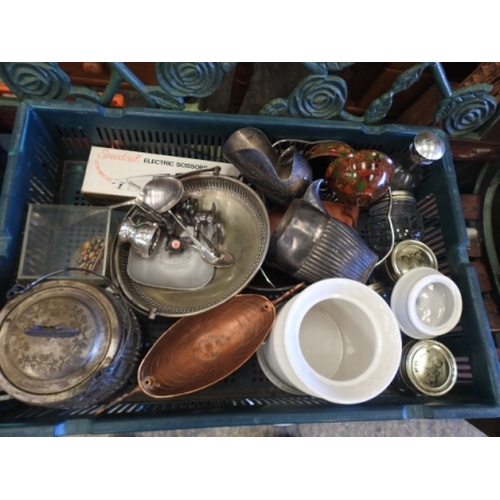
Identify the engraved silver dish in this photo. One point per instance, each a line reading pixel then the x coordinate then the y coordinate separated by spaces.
pixel 67 344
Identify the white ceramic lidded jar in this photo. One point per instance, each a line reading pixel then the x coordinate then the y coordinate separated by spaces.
pixel 426 303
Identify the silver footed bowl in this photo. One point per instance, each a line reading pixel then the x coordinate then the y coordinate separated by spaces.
pixel 245 223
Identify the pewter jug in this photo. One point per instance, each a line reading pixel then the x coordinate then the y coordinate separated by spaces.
pixel 311 246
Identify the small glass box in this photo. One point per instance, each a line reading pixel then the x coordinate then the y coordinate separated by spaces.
pixel 57 237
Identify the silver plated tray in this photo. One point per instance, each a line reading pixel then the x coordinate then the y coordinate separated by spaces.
pixel 246 233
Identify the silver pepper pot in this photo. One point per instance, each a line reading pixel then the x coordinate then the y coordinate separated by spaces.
pixel 426 148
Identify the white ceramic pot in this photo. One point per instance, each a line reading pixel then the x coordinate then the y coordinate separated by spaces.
pixel 426 303
pixel 337 340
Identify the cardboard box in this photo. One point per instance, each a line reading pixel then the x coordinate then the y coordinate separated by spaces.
pixel 115 174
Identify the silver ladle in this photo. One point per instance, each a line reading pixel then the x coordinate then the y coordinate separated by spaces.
pixel 158 196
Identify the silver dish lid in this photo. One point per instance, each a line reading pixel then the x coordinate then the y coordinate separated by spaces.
pixel 54 338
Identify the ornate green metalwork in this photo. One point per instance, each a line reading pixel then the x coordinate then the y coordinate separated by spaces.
pixel 466 109
pixel 277 107
pixel 318 96
pixel 177 81
pixel 191 79
pixel 322 95
pixel 324 68
pixel 35 80
pixel 379 108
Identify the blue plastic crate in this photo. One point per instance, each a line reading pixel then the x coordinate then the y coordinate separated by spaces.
pixel 49 136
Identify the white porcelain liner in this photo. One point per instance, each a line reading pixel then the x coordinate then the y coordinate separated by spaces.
pixel 426 303
pixel 337 340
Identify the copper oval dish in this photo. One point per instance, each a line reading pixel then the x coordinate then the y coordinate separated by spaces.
pixel 198 351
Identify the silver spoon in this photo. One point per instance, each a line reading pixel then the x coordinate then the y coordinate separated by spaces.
pixel 160 195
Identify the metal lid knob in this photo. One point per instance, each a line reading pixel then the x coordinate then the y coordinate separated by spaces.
pixel 428 147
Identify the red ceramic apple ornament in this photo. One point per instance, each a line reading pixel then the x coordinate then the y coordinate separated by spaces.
pixel 360 177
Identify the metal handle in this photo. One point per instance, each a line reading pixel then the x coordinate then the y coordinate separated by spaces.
pixel 216 171
pixel 53 331
pixel 18 289
pixel 126 203
pixel 391 227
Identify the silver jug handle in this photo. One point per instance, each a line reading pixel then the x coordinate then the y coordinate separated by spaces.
pixel 312 195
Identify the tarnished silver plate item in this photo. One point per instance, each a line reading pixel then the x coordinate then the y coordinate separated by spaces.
pixel 66 344
pixel 243 217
